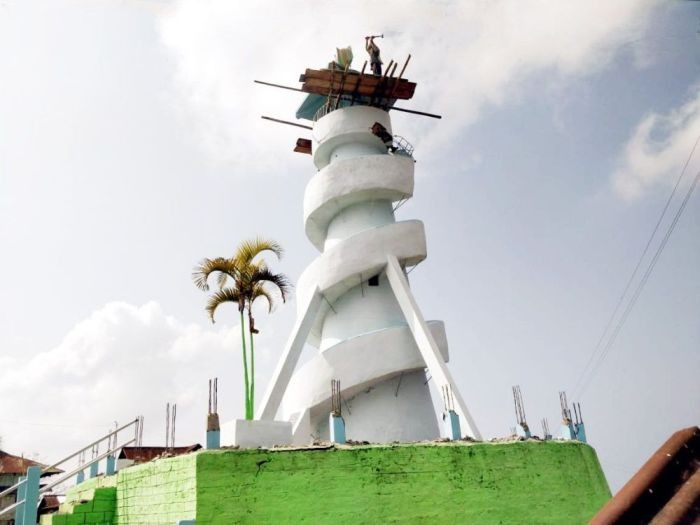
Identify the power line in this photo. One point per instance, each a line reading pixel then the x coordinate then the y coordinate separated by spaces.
pixel 642 283
pixel 579 388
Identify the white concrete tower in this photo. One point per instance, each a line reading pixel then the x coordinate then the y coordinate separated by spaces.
pixel 353 301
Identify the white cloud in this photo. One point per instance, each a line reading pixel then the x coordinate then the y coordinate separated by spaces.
pixel 658 148
pixel 466 56
pixel 121 361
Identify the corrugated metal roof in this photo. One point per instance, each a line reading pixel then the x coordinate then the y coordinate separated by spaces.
pixel 49 503
pixel 10 464
pixel 144 454
pixel 665 490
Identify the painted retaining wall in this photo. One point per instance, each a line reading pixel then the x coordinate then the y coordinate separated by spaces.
pixel 158 492
pixel 523 482
pixel 92 502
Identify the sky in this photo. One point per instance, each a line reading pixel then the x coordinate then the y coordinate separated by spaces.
pixel 131 147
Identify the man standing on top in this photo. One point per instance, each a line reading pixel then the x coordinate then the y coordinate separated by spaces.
pixel 374 58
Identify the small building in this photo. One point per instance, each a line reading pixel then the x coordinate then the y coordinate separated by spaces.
pixel 11 469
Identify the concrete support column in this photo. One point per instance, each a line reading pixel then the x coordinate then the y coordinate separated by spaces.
pixel 31 496
pixel 336 426
pixel 452 428
pixel 213 431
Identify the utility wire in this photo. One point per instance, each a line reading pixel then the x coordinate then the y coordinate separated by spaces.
pixel 642 283
pixel 579 388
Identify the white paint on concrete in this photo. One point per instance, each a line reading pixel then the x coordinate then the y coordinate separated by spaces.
pixel 357 218
pixel 361 310
pixel 355 260
pixel 347 182
pixel 301 427
pixel 426 343
pixel 348 131
pixel 359 363
pixel 290 356
pixel 397 409
pixel 246 433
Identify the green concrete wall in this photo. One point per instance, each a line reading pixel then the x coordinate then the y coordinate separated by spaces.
pixel 523 482
pixel 155 493
pixel 92 502
pixel 158 492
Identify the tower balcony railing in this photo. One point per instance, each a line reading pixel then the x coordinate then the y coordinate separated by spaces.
pixel 400 146
pixel 323 111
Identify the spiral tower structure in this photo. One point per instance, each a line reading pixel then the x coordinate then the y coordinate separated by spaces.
pixel 353 301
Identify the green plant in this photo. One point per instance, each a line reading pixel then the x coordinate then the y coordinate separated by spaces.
pixel 242 279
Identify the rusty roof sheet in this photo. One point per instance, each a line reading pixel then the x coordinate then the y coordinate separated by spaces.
pixel 10 464
pixel 665 490
pixel 144 454
pixel 49 503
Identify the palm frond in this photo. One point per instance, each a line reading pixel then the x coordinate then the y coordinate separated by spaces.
pixel 260 291
pixel 204 269
pixel 279 280
pixel 227 295
pixel 222 279
pixel 251 248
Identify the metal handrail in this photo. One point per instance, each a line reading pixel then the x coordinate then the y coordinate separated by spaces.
pixel 6 510
pixel 10 490
pixel 323 111
pixel 401 145
pixel 82 467
pixel 135 421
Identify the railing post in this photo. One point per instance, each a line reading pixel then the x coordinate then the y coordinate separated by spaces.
pixel 21 493
pixel 109 468
pixel 93 469
pixel 31 496
pixel 80 477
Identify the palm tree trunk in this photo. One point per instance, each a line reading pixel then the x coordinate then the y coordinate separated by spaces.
pixel 248 414
pixel 252 376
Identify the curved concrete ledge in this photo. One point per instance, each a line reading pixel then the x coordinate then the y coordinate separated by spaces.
pixel 352 181
pixel 356 259
pixel 364 360
pixel 352 124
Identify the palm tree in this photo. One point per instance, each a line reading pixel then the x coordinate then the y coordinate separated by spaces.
pixel 242 279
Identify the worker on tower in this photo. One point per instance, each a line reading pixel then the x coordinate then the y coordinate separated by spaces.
pixel 374 58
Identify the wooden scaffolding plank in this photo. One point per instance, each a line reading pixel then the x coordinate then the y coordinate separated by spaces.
pixel 303 146
pixel 323 82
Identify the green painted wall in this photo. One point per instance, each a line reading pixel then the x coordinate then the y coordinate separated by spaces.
pixel 92 502
pixel 523 482
pixel 158 492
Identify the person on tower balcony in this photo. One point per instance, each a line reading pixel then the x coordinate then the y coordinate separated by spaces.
pixel 374 58
pixel 381 132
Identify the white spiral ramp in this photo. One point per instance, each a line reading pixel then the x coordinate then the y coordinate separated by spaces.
pixel 364 323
